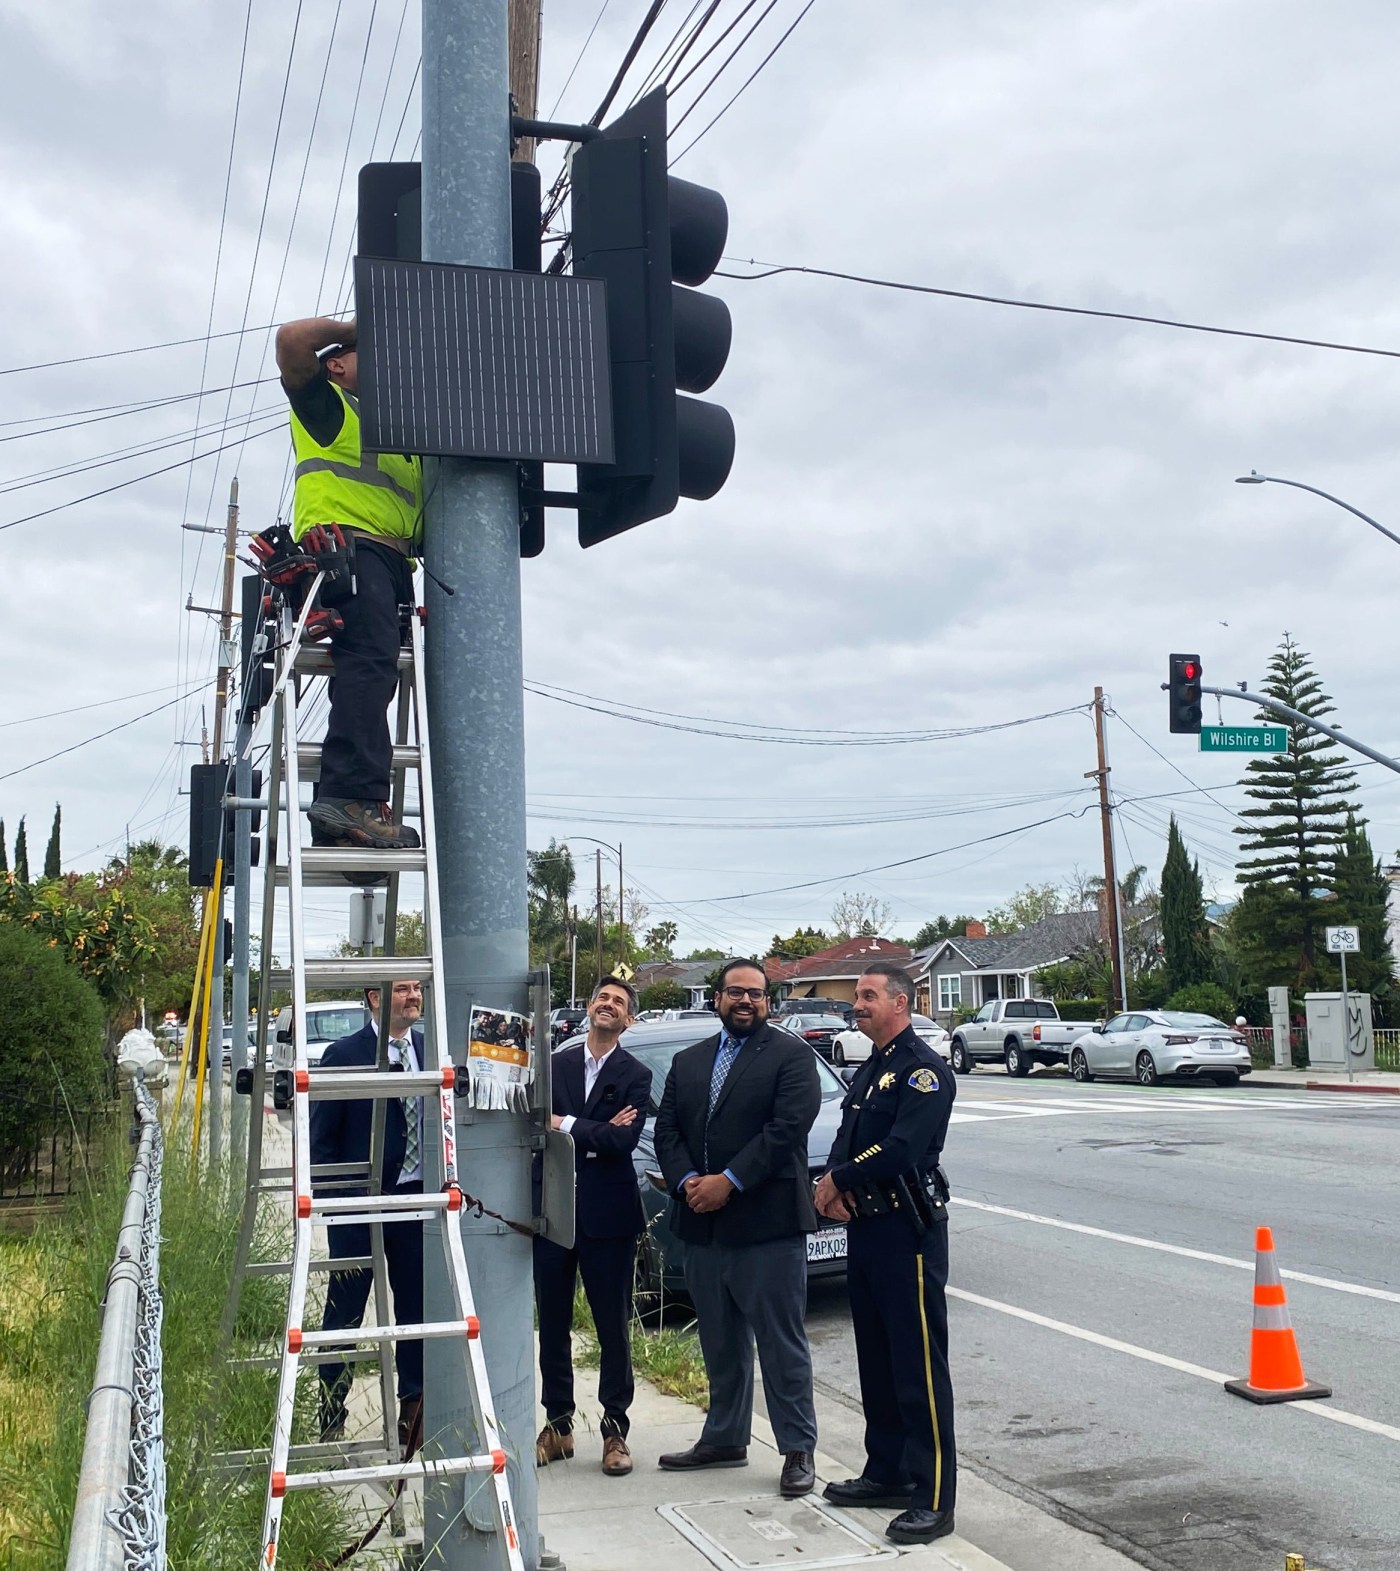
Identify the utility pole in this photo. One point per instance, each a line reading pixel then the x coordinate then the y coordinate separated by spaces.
pixel 476 708
pixel 1110 864
pixel 525 67
pixel 598 920
pixel 621 925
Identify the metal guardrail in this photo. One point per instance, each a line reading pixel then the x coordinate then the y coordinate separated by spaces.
pixel 119 1515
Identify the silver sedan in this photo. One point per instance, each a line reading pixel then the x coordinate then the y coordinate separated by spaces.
pixel 1151 1044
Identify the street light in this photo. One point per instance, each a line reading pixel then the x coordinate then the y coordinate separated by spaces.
pixel 1255 478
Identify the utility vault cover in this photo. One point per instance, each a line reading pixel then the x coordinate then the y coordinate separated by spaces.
pixel 764 1534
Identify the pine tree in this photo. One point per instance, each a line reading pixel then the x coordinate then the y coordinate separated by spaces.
pixel 1363 898
pixel 1185 936
pixel 1296 833
pixel 53 859
pixel 4 859
pixel 22 855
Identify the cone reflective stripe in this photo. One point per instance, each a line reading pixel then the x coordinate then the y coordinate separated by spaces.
pixel 1275 1366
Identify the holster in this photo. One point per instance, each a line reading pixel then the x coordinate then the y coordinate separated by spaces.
pixel 920 1198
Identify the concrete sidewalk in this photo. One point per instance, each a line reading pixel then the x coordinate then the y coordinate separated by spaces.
pixel 1375 1081
pixel 656 1521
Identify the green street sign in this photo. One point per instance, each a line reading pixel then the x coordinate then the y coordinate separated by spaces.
pixel 1244 739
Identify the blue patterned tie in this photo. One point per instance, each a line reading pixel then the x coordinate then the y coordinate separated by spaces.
pixel 728 1052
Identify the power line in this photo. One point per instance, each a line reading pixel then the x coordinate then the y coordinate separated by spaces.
pixel 100 703
pixel 773 269
pixel 578 59
pixel 137 349
pixel 1204 790
pixel 103 412
pixel 112 731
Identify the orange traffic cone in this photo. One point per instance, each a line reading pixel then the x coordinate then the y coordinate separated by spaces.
pixel 1275 1369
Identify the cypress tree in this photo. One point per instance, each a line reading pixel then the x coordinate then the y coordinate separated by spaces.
pixel 53 862
pixel 4 859
pixel 1185 936
pixel 1363 899
pixel 1296 832
pixel 22 855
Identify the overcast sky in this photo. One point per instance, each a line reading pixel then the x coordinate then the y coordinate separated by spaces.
pixel 942 514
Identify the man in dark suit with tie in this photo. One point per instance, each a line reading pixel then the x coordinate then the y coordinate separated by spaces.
pixel 731 1138
pixel 601 1095
pixel 340 1132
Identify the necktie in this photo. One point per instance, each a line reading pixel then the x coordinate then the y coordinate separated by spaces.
pixel 728 1051
pixel 410 1115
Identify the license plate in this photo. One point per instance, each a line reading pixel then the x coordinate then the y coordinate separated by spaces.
pixel 830 1244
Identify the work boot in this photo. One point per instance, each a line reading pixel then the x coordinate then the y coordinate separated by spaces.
pixel 410 1421
pixel 553 1445
pixel 338 821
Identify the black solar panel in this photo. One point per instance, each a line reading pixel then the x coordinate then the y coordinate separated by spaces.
pixel 476 362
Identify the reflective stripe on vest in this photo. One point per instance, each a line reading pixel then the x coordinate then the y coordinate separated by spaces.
pixel 337 483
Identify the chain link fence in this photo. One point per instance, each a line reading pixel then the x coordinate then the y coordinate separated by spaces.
pixel 119 1518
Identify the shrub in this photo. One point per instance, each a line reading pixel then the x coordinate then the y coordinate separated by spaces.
pixel 663 995
pixel 1203 998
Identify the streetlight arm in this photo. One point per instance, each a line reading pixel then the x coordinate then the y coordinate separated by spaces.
pixel 1254 478
pixel 1299 718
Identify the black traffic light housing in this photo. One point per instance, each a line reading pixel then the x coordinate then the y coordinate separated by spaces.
pixel 645 233
pixel 1184 694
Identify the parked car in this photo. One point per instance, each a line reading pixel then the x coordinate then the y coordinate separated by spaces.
pixel 690 1014
pixel 818 1006
pixel 853 1046
pixel 565 1023
pixel 1018 1032
pixel 325 1023
pixel 1151 1045
pixel 249 1046
pixel 818 1029
pixel 660 1271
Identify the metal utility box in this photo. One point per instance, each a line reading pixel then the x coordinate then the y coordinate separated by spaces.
pixel 1332 1042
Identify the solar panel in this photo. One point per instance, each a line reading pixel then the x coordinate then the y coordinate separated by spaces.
pixel 477 362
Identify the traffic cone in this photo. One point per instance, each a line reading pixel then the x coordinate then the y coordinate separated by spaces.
pixel 1275 1369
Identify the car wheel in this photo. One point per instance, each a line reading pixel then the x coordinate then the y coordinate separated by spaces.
pixel 1079 1066
pixel 1146 1070
pixel 962 1064
pixel 1016 1061
pixel 1229 1078
pixel 838 1054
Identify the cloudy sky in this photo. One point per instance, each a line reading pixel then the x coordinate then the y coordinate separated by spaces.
pixel 943 515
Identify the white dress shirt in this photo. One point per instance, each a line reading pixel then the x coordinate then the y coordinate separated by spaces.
pixel 592 1068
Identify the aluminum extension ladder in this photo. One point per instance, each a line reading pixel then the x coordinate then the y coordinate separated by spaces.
pixel 289 871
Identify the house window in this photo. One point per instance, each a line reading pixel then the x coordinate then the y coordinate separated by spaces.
pixel 949 992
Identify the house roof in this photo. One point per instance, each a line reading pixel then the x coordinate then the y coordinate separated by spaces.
pixel 688 973
pixel 1043 943
pixel 845 959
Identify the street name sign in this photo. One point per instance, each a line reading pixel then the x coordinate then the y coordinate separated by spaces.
pixel 1244 739
pixel 1343 940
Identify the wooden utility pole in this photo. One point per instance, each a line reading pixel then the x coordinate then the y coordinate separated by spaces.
pixel 622 926
pixel 598 920
pixel 226 619
pixel 525 25
pixel 1110 864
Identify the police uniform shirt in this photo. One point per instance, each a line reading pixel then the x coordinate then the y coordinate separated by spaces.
pixel 896 1114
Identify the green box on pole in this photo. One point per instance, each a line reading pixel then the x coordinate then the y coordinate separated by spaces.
pixel 1244 739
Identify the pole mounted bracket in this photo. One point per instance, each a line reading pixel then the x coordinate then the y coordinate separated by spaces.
pixel 549 130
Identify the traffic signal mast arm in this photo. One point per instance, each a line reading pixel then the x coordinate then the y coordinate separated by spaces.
pixel 1299 718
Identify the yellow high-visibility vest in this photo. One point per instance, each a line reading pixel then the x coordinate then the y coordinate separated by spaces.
pixel 383 495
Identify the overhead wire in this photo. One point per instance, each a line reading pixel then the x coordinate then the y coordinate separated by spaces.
pixel 1205 790
pixel 578 59
pixel 9 774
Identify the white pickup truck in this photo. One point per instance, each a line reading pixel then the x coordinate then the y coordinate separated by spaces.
pixel 1018 1032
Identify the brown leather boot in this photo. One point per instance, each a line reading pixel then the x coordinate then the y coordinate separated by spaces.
pixel 617 1459
pixel 553 1445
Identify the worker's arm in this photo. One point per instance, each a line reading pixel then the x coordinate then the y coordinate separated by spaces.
pixel 299 343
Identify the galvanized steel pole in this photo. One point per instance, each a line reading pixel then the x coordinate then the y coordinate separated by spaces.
pixel 476 704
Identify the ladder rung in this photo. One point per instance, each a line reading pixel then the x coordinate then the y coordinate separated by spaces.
pixel 419 1467
pixel 315 659
pixel 337 861
pixel 350 1335
pixel 284 1267
pixel 375 1218
pixel 305 1450
pixel 329 1206
pixel 309 759
pixel 349 1085
pixel 360 971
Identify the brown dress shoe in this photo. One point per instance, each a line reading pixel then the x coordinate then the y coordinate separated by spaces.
pixel 617 1459
pixel 553 1445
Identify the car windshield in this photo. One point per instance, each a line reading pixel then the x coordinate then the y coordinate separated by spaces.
pixel 1193 1022
pixel 923 1023
pixel 657 1057
pixel 821 1022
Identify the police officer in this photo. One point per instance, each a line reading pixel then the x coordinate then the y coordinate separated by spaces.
pixel 885 1183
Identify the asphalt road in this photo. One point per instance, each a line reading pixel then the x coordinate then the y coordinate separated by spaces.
pixel 1087 1367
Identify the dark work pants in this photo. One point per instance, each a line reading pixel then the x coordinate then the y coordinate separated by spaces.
pixel 605 1264
pixel 900 1318
pixel 348 1294
pixel 747 1293
pixel 356 757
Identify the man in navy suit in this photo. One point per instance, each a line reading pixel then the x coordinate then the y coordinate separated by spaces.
pixel 340 1132
pixel 601 1095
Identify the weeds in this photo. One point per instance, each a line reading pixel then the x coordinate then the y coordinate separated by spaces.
pixel 668 1356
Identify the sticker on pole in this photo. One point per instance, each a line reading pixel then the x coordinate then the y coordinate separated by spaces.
pixel 1343 940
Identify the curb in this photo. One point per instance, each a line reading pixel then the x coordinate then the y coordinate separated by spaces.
pixel 1325 1085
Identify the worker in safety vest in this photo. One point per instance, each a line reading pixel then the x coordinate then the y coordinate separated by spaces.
pixel 378 503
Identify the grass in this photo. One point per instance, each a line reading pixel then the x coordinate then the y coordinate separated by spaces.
pixel 668 1356
pixel 49 1329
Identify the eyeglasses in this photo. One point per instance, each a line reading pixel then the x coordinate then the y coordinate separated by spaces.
pixel 735 994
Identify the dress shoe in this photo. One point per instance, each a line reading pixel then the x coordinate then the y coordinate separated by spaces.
pixel 917 1526
pixel 865 1491
pixel 617 1459
pixel 799 1475
pixel 703 1454
pixel 553 1445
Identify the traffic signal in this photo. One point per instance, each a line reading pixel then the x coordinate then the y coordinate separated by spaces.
pixel 258 675
pixel 208 785
pixel 1184 694
pixel 645 233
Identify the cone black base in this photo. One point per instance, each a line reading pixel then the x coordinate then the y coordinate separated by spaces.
pixel 1303 1393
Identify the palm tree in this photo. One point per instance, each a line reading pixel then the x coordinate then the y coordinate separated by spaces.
pixel 550 882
